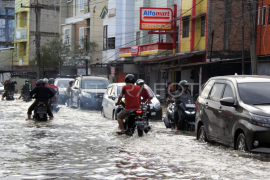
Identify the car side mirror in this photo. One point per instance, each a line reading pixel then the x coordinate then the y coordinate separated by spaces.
pixel 75 87
pixel 228 101
pixel 158 96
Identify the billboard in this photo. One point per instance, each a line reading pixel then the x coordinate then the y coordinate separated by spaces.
pixel 156 19
pixel 135 50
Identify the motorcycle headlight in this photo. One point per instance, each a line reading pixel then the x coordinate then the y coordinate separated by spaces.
pixel 157 105
pixel 86 95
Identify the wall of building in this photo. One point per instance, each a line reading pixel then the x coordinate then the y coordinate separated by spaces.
pixel 263 31
pixel 225 19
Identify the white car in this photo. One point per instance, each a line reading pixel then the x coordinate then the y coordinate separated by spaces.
pixel 1 88
pixel 111 96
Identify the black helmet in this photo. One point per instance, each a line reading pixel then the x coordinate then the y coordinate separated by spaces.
pixel 140 81
pixel 40 82
pixel 130 78
pixel 14 82
pixel 26 80
pixel 51 81
pixel 45 80
pixel 183 83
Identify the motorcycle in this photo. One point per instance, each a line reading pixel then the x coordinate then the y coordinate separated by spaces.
pixel 186 112
pixel 10 95
pixel 53 104
pixel 137 119
pixel 26 96
pixel 40 112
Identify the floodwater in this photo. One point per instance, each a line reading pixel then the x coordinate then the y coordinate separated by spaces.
pixel 80 144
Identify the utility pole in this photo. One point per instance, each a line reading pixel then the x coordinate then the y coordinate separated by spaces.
pixel 212 34
pixel 37 8
pixel 243 45
pixel 253 51
pixel 86 61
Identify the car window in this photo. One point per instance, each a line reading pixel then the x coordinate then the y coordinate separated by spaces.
pixel 63 83
pixel 113 90
pixel 94 84
pixel 216 91
pixel 228 92
pixel 207 89
pixel 254 93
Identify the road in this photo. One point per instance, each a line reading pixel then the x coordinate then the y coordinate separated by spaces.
pixel 80 144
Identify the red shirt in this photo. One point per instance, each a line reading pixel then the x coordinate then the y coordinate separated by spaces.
pixel 52 86
pixel 132 96
pixel 145 95
pixel 171 88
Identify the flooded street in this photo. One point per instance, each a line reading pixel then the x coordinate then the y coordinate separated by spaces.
pixel 80 144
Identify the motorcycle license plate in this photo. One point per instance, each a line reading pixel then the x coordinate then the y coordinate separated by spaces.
pixel 141 123
pixel 153 113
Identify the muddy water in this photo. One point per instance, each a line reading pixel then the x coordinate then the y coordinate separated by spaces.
pixel 80 144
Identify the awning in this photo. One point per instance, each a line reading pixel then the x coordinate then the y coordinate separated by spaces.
pixel 171 57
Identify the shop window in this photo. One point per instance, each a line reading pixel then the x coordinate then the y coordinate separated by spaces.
pixel 185 27
pixel 111 43
pixel 67 37
pixel 25 19
pixel 81 37
pixel 24 49
pixel 202 26
pixel 105 37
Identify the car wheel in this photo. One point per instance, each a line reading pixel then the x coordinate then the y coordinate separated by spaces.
pixel 202 135
pixel 102 113
pixel 241 144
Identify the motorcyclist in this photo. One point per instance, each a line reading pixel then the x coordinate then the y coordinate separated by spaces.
pixel 68 91
pixel 51 85
pixel 9 86
pixel 145 96
pixel 42 94
pixel 178 95
pixel 132 100
pixel 27 87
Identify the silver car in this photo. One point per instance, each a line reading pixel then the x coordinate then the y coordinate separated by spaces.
pixel 111 96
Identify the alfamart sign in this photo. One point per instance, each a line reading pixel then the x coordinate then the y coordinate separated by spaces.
pixel 156 18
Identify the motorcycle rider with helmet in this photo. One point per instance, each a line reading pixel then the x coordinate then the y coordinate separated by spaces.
pixel 42 94
pixel 27 87
pixel 182 92
pixel 132 100
pixel 51 85
pixel 9 86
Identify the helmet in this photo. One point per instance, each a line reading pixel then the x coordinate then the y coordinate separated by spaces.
pixel 26 80
pixel 40 82
pixel 14 82
pixel 139 81
pixel 45 80
pixel 51 81
pixel 130 78
pixel 71 82
pixel 183 83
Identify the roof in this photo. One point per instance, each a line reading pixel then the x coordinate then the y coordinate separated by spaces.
pixel 172 57
pixel 245 78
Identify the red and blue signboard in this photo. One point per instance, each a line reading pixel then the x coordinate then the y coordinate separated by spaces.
pixel 156 19
pixel 135 50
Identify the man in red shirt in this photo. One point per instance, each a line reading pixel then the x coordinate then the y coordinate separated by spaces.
pixel 51 85
pixel 145 93
pixel 132 100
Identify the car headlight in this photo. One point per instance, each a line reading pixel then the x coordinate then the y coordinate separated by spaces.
pixel 187 112
pixel 86 95
pixel 157 105
pixel 260 120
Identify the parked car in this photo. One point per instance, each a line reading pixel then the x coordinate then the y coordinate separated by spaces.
pixel 111 95
pixel 235 111
pixel 1 88
pixel 62 83
pixel 88 91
